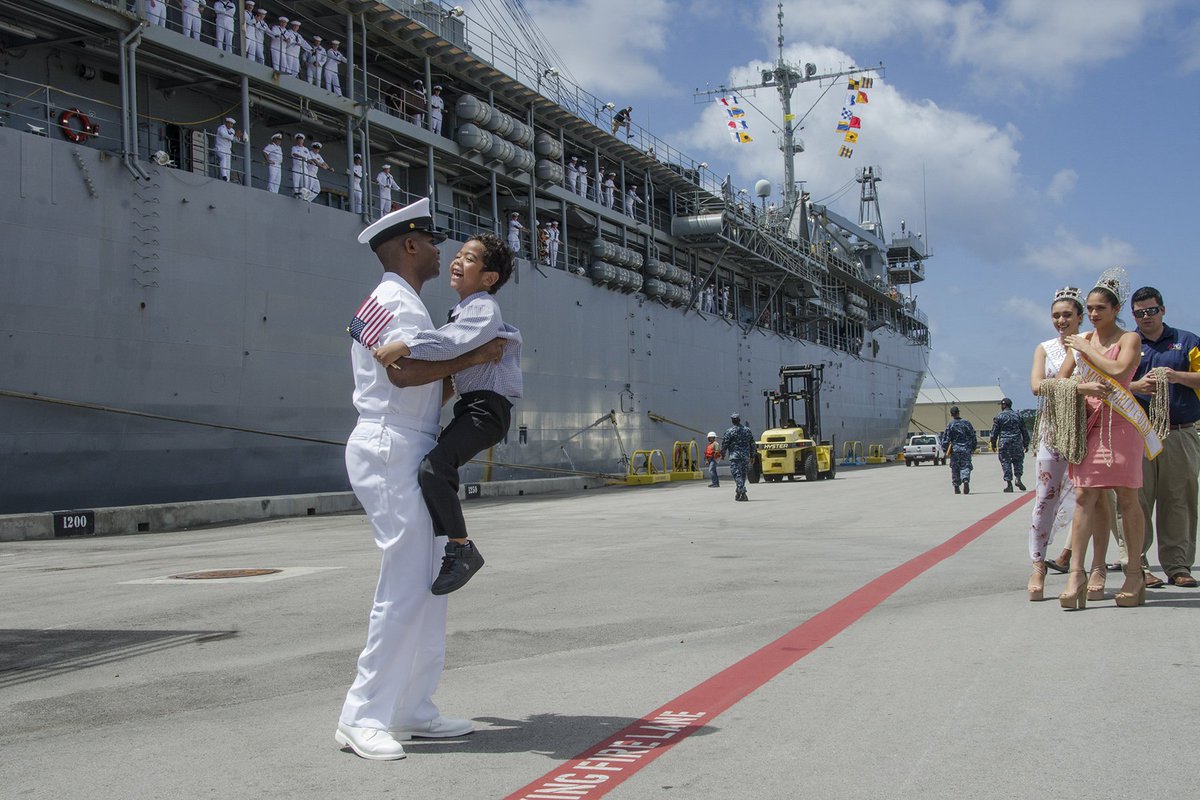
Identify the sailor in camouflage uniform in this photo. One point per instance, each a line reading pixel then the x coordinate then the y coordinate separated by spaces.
pixel 1009 429
pixel 960 439
pixel 738 447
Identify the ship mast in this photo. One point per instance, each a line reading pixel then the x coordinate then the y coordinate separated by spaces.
pixel 784 78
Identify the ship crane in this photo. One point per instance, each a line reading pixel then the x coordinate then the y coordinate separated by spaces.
pixel 784 78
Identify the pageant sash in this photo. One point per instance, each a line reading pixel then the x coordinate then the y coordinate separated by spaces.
pixel 1121 401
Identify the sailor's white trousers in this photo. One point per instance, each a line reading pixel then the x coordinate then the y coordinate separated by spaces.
pixel 399 669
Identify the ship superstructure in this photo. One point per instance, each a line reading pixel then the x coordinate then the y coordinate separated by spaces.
pixel 140 281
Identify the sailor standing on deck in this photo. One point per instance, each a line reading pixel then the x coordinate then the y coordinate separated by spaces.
pixel 514 232
pixel 292 44
pixel 553 237
pixel 273 157
pixel 738 447
pixel 191 17
pixel 610 186
pixel 314 63
pixel 255 29
pixel 156 12
pixel 300 156
pixel 278 32
pixel 631 201
pixel 569 173
pixel 315 163
pixel 436 106
pixel 225 11
pixel 223 145
pixel 333 60
pixel 398 671
pixel 416 102
pixel 386 184
pixel 356 185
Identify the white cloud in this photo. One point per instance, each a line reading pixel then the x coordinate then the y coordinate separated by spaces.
pixel 1022 308
pixel 1011 40
pixel 607 46
pixel 1191 45
pixel 1062 184
pixel 968 166
pixel 1068 256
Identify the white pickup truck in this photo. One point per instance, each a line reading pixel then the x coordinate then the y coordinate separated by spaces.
pixel 923 447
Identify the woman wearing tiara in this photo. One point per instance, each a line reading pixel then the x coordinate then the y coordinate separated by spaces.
pixel 1116 437
pixel 1055 503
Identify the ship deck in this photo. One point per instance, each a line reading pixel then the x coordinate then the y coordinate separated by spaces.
pixel 864 637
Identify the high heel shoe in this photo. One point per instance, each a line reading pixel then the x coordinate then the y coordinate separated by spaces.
pixel 1077 598
pixel 1037 582
pixel 1095 584
pixel 1128 599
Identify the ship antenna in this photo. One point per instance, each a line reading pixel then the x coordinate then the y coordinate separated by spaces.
pixel 784 78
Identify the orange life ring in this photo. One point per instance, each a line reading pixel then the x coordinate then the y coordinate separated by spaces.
pixel 86 128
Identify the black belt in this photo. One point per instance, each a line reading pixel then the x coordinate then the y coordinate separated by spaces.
pixel 1184 425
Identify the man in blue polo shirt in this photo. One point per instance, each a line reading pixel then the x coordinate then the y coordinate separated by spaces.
pixel 1169 482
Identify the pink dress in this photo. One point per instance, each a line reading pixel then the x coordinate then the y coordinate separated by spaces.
pixel 1127 444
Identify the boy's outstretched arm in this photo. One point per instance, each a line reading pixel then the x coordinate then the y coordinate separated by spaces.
pixel 413 372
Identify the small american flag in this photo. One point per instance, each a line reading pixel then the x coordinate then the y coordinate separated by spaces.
pixel 369 321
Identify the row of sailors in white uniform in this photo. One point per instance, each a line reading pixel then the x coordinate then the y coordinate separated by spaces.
pixel 288 47
pixel 306 163
pixel 576 179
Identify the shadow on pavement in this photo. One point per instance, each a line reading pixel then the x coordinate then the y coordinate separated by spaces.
pixel 30 655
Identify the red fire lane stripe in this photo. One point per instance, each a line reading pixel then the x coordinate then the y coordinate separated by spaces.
pixel 603 767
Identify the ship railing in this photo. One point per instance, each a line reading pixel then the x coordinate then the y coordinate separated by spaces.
pixel 38 107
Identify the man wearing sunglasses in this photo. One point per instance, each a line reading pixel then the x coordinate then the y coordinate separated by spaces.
pixel 1169 482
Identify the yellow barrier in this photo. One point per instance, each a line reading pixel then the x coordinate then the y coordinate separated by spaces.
pixel 647 466
pixel 875 454
pixel 685 466
pixel 852 454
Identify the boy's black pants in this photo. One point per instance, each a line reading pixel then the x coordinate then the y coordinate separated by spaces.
pixel 480 421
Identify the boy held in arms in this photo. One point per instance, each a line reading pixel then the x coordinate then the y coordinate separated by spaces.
pixel 483 411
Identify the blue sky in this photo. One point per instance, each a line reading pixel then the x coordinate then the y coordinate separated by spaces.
pixel 1056 138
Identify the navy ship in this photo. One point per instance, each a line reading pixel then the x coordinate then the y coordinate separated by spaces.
pixel 170 334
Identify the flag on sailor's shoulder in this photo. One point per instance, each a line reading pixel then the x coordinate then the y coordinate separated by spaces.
pixel 369 321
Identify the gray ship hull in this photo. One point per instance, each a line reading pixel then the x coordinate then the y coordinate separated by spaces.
pixel 206 302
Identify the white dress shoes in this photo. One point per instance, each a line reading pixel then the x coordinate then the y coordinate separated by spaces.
pixel 369 743
pixel 440 728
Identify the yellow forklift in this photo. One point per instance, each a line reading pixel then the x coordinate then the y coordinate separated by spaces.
pixel 789 448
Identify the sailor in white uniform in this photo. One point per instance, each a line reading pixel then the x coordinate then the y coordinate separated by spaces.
pixel 223 145
pixel 436 106
pixel 553 237
pixel 300 158
pixel 391 698
pixel 514 233
pixel 315 163
pixel 356 185
pixel 334 60
pixel 417 101
pixel 278 32
pixel 631 201
pixel 386 184
pixel 273 156
pixel 293 42
pixel 254 28
pixel 610 185
pixel 156 12
pixel 585 189
pixel 191 17
pixel 225 10
pixel 569 173
pixel 314 63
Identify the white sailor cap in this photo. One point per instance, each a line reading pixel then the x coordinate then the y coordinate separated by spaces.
pixel 418 82
pixel 358 155
pixel 316 145
pixel 316 38
pixel 294 22
pixel 250 3
pixel 554 222
pixel 231 120
pixel 283 19
pixel 437 88
pixel 516 214
pixel 413 217
pixel 298 136
pixel 276 135
pixel 387 166
pixel 261 11
pixel 574 158
pixel 336 42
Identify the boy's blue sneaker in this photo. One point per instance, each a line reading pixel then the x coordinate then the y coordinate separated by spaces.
pixel 459 565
